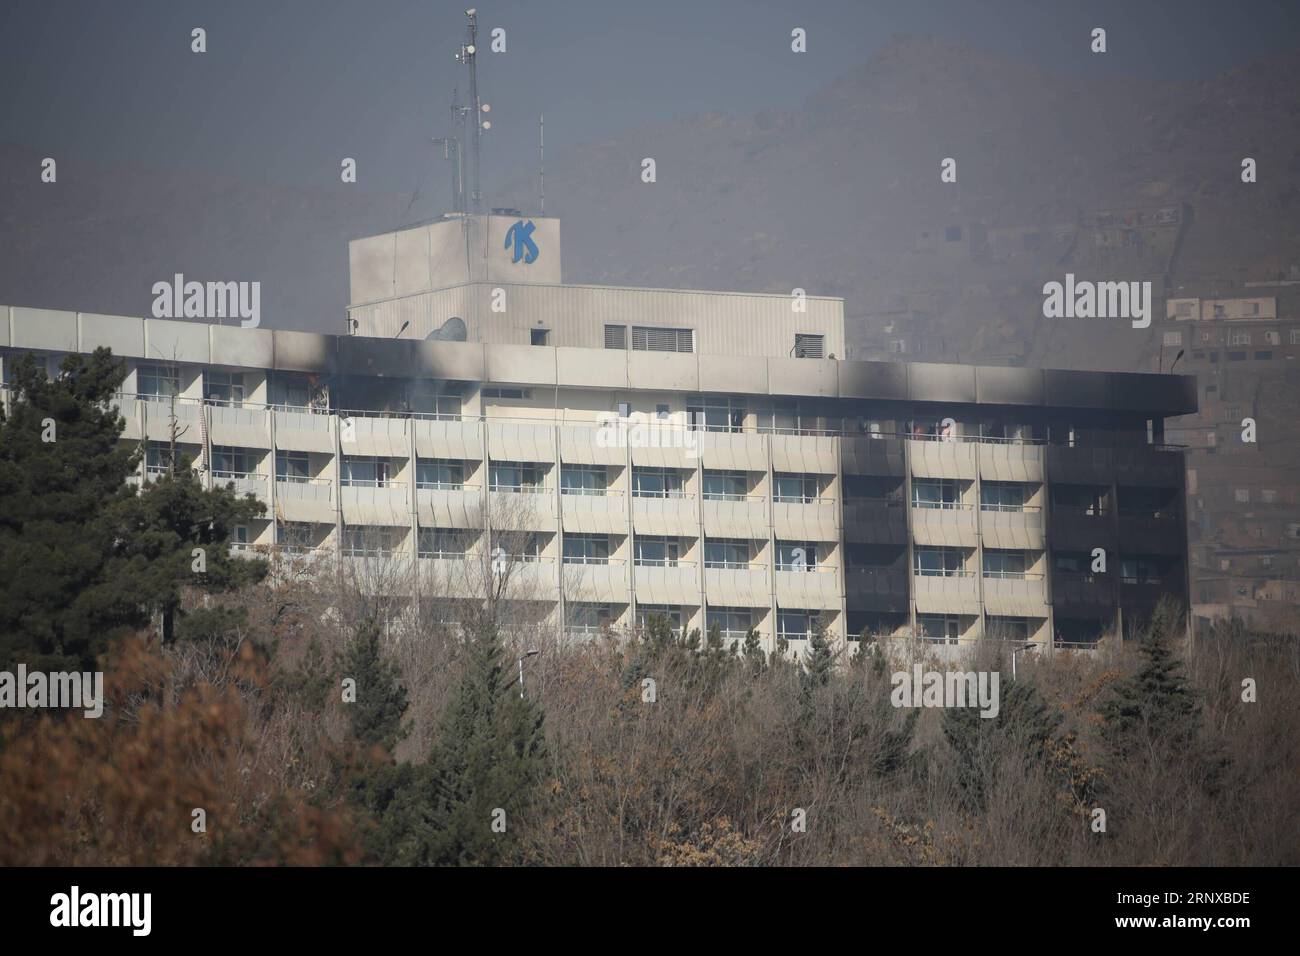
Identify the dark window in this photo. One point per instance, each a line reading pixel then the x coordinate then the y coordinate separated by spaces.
pixel 654 338
pixel 809 346
pixel 538 336
pixel 952 234
pixel 616 336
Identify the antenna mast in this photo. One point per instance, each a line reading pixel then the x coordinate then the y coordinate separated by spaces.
pixel 541 159
pixel 468 55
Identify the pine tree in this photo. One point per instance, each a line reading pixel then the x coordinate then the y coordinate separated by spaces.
pixel 490 757
pixel 752 653
pixel 1155 703
pixel 376 715
pixel 1023 725
pixel 55 610
pixel 157 532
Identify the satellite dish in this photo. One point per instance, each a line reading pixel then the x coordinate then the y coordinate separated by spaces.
pixel 453 330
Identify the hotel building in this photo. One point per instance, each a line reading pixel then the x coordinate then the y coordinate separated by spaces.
pixel 708 456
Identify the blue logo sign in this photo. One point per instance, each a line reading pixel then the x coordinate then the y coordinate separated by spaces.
pixel 521 235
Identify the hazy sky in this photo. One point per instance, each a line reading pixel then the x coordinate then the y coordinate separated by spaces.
pixel 289 87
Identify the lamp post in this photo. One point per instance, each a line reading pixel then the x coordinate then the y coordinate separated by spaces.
pixel 521 671
pixel 1026 647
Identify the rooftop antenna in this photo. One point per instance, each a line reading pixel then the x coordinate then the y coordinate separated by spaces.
pixel 451 150
pixel 541 159
pixel 468 56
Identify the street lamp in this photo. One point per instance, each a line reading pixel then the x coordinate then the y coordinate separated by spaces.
pixel 1026 647
pixel 521 671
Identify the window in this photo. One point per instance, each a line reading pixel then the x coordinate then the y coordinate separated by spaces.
pixel 365 472
pixel 732 622
pixel 795 488
pixel 656 483
pixel 1264 356
pixel 589 618
pixel 239 537
pixel 657 552
pixel 796 625
pixel 1250 308
pixel 952 234
pixel 645 613
pixel 1268 496
pixel 1140 570
pixel 935 493
pixel 898 346
pixel 1272 338
pixel 230 462
pixel 1003 496
pixel 939 562
pixel 1295 336
pixel 440 474
pixel 1183 310
pixel 295 391
pixel 292 467
pixel 224 388
pixel 654 338
pixel 445 544
pixel 939 628
pixel 158 458
pixel 537 336
pixel 661 412
pixel 725 486
pixel 583 480
pixel 809 346
pixel 616 336
pixel 730 553
pixel 519 477
pixel 158 383
pixel 1219 311
pixel 426 399
pixel 796 556
pixel 1238 338
pixel 1009 628
pixel 1173 338
pixel 293 537
pixel 586 549
pixel 715 414
pixel 1236 356
pixel 511 393
pixel 368 541
pixel 1004 564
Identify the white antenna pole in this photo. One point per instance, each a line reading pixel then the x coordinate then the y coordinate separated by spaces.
pixel 541 155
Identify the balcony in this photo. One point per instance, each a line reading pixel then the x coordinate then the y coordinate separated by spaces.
pixel 1015 594
pixel 1017 528
pixel 604 513
pixel 875 520
pixel 595 582
pixel 676 584
pixel 1010 461
pixel 1141 465
pixel 245 482
pixel 737 585
pixel 1152 532
pixel 948 592
pixel 1082 529
pixel 806 518
pixel 883 589
pixel 942 459
pixel 951 525
pixel 449 506
pixel 1083 593
pixel 304 431
pixel 672 513
pixel 372 502
pixel 815 589
pixel 239 426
